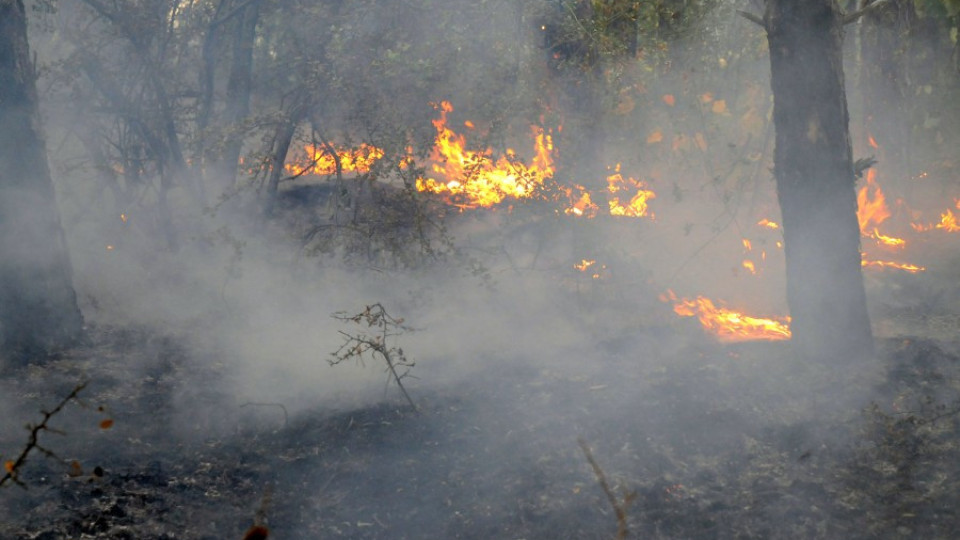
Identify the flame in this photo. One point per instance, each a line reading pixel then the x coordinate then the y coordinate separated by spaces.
pixel 872 142
pixel 637 207
pixel 948 222
pixel 726 324
pixel 473 178
pixel 580 203
pixel 750 266
pixel 889 241
pixel 584 264
pixel 322 160
pixel 768 224
pixel 871 211
pixel 906 267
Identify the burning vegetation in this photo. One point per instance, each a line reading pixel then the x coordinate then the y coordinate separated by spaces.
pixel 578 202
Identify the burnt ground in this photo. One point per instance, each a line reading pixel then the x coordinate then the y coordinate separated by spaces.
pixel 710 441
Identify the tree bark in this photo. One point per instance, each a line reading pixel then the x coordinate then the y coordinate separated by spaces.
pixel 38 305
pixel 813 166
pixel 883 84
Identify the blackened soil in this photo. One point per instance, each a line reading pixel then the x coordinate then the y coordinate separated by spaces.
pixel 708 442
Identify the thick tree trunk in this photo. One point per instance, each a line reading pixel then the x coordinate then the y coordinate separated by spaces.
pixel 38 305
pixel 815 180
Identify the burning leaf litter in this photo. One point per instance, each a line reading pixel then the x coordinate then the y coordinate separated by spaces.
pixel 726 324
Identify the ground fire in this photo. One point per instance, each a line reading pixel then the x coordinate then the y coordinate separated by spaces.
pixel 726 324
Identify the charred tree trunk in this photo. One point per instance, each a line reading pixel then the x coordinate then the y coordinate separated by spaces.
pixel 278 156
pixel 38 305
pixel 815 180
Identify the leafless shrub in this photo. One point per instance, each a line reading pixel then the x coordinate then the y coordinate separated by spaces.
pixel 376 340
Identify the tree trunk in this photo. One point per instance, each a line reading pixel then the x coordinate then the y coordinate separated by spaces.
pixel 815 180
pixel 224 167
pixel 883 85
pixel 38 305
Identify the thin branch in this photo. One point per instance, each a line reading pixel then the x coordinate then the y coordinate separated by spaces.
pixel 33 443
pixel 619 508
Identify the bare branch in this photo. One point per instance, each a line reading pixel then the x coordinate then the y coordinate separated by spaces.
pixel 619 507
pixel 33 443
pixel 854 16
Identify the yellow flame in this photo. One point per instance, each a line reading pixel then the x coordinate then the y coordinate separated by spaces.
pixel 768 224
pixel 889 241
pixel 637 206
pixel 726 324
pixel 322 161
pixel 906 267
pixel 580 203
pixel 584 264
pixel 948 222
pixel 473 178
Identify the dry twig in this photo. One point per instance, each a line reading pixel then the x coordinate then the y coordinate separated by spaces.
pixel 619 507
pixel 12 467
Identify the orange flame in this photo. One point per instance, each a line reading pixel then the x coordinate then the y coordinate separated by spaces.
pixel 768 224
pixel 580 203
pixel 871 210
pixel 889 241
pixel 906 267
pixel 320 160
pixel 872 142
pixel 584 264
pixel 729 325
pixel 637 207
pixel 473 178
pixel 948 222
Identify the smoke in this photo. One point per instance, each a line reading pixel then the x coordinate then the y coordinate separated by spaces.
pixel 506 314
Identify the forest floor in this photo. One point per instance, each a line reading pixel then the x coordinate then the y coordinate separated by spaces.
pixel 708 441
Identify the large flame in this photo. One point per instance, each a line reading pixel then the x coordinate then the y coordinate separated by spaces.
pixel 322 160
pixel 729 325
pixel 871 211
pixel 473 178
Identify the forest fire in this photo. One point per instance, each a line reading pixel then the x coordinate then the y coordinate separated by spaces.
pixel 322 160
pixel 475 179
pixel 726 324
